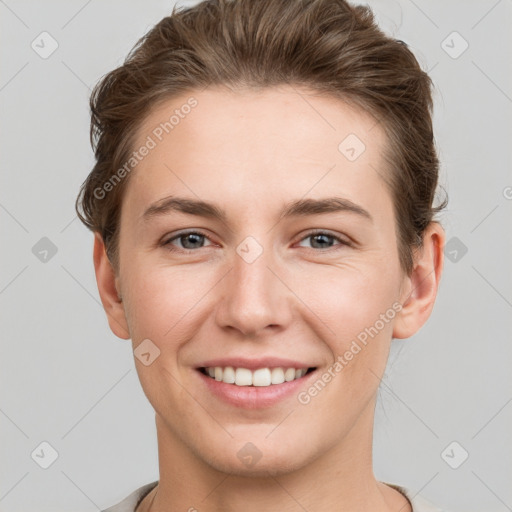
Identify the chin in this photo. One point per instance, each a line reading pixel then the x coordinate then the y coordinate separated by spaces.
pixel 258 458
pixel 265 467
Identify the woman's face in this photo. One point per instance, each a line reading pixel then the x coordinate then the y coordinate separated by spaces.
pixel 257 288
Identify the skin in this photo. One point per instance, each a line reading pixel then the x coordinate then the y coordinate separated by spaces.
pixel 250 153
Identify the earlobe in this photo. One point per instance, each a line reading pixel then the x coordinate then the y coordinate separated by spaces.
pixel 420 293
pixel 107 288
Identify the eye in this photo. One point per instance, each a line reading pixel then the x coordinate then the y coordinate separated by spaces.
pixel 324 240
pixel 189 240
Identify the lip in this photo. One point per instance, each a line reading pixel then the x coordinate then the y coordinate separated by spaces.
pixel 254 397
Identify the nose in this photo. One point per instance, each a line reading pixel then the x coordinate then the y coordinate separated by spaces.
pixel 255 297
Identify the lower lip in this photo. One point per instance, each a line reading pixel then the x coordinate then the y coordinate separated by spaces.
pixel 254 397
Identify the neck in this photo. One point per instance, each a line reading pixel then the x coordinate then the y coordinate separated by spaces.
pixel 340 479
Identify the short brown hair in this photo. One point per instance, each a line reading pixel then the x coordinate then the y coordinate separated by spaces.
pixel 328 46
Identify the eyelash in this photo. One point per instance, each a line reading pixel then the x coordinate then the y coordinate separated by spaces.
pixel 167 244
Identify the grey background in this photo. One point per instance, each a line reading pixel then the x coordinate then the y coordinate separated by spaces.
pixel 67 380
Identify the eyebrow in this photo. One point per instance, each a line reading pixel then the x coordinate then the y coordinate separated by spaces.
pixel 297 208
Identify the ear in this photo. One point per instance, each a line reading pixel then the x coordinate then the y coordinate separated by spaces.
pixel 108 290
pixel 419 290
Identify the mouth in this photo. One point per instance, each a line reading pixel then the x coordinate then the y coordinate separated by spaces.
pixel 260 377
pixel 256 388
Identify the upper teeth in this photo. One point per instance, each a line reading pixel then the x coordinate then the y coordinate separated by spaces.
pixel 259 377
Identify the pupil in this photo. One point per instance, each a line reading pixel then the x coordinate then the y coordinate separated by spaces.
pixel 186 238
pixel 324 237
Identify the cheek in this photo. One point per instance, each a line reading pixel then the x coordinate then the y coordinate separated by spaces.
pixel 358 309
pixel 162 300
pixel 358 305
pixel 350 298
pixel 164 306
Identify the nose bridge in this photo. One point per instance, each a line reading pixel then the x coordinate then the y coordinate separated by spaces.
pixel 254 298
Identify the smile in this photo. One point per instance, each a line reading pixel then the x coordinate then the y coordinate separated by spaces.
pixel 260 377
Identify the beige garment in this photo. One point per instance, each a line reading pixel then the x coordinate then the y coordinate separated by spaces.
pixel 130 503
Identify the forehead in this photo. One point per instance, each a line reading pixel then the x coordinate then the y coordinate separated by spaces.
pixel 272 143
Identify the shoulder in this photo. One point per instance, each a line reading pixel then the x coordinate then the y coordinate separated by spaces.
pixel 418 503
pixel 130 503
